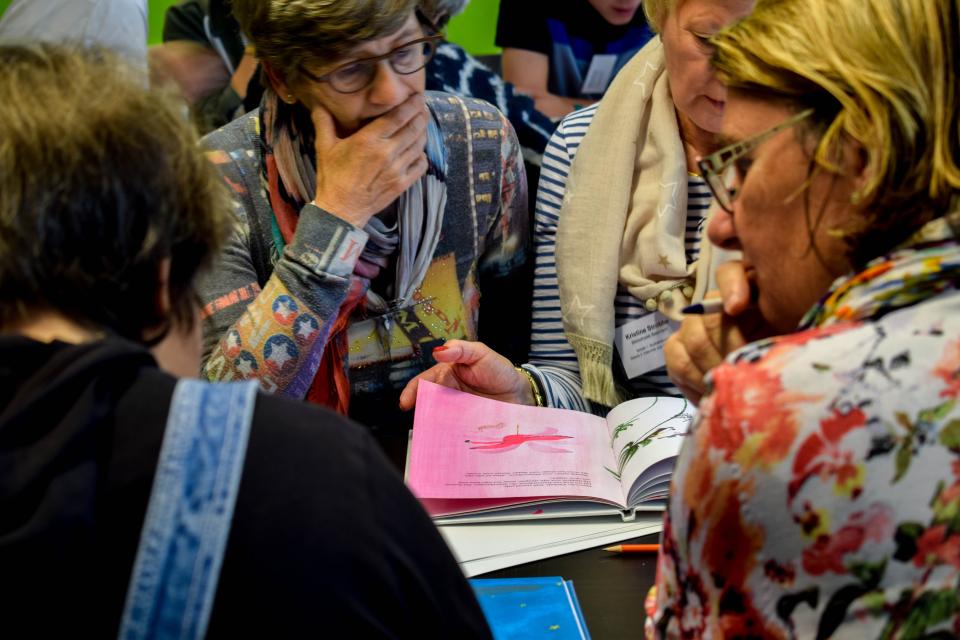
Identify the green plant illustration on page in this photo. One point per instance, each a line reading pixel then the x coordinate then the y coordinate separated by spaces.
pixel 662 429
pixel 623 426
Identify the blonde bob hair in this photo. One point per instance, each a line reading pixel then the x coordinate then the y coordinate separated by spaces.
pixel 881 73
pixel 288 34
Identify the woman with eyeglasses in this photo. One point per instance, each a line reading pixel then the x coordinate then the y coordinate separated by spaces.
pixel 370 215
pixel 620 210
pixel 818 494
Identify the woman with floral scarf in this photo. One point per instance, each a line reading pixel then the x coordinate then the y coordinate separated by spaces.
pixel 818 494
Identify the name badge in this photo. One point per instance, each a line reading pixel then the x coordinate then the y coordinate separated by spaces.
pixel 640 343
pixel 599 73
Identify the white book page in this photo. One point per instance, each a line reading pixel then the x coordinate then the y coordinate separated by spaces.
pixel 644 431
pixel 480 548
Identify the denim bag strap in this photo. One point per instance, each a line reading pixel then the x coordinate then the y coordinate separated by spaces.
pixel 177 566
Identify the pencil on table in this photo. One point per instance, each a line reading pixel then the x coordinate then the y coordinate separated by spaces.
pixel 634 548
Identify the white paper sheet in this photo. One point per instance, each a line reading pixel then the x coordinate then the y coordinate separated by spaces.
pixel 484 547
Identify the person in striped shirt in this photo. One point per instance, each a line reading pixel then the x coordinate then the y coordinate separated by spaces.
pixel 627 257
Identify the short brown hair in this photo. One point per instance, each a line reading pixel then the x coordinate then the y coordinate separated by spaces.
pixel 288 34
pixel 100 181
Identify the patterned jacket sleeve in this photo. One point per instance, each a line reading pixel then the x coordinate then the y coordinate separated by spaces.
pixel 552 359
pixel 509 233
pixel 504 270
pixel 455 71
pixel 276 333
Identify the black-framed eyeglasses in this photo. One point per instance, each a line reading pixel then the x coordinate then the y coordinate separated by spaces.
pixel 715 168
pixel 359 74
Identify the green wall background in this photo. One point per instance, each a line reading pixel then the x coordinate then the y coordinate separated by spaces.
pixel 474 29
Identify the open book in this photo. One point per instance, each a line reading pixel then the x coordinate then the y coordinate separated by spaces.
pixel 472 458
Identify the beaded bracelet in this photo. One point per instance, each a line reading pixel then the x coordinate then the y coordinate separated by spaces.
pixel 534 385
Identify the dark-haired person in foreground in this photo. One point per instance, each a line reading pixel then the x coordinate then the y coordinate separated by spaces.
pixel 100 242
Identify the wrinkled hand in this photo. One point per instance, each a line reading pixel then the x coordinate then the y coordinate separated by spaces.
pixel 704 341
pixel 475 368
pixel 360 175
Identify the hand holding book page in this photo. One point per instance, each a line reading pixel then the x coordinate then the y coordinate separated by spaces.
pixel 471 454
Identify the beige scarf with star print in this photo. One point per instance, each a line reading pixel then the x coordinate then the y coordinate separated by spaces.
pixel 623 219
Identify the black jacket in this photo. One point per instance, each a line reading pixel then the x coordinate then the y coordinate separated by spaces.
pixel 325 541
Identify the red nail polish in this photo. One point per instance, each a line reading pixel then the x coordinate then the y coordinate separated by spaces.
pixel 440 348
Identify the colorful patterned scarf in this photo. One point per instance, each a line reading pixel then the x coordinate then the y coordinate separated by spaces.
pixel 922 267
pixel 289 171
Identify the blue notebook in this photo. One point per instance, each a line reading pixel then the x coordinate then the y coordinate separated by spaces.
pixel 530 608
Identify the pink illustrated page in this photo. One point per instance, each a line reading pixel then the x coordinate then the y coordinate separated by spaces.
pixel 468 447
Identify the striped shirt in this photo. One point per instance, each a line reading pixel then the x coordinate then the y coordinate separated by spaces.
pixel 552 359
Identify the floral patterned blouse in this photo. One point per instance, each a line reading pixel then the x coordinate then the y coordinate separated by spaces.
pixel 819 493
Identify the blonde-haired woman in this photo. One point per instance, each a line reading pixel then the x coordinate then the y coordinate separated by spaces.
pixel 819 493
pixel 619 215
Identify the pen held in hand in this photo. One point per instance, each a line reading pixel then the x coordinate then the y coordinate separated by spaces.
pixel 634 548
pixel 713 305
